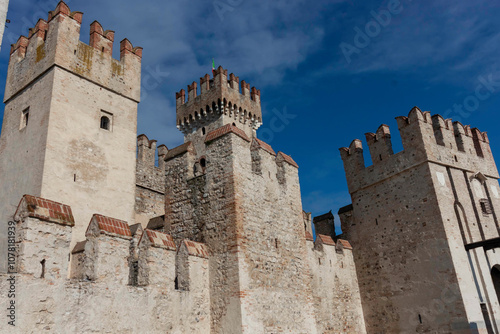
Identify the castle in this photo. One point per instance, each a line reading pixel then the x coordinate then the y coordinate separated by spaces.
pixel 213 239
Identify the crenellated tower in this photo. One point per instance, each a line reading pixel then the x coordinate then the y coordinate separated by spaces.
pixel 424 227
pixel 69 127
pixel 233 192
pixel 219 102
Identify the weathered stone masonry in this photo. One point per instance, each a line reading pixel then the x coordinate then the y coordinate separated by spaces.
pixel 211 238
pixel 52 145
pixel 424 229
pixel 150 180
pixel 97 298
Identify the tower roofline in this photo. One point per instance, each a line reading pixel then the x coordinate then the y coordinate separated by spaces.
pixel 425 138
pixel 56 41
pixel 218 96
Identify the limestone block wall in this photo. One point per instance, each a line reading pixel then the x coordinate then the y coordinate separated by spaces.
pixel 459 194
pixel 179 163
pixel 90 168
pixel 412 215
pixel 245 205
pixel 156 259
pixel 422 136
pixel 54 303
pixel 150 180
pixel 56 42
pixel 220 234
pixel 337 300
pixel 57 91
pixel 42 246
pixel 275 278
pixel 22 150
pixel 402 243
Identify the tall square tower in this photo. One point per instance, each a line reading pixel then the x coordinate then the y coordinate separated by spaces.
pixel 69 127
pixel 231 191
pixel 424 227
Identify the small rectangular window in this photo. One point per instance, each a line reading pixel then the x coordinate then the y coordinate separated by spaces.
pixel 24 118
pixel 106 120
pixel 485 206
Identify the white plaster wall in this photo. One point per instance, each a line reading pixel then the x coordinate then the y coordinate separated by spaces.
pixel 22 151
pixel 55 304
pixel 335 289
pixel 274 273
pixel 462 264
pixel 89 168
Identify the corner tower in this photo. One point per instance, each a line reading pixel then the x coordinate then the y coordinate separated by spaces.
pixel 233 192
pixel 69 127
pixel 424 227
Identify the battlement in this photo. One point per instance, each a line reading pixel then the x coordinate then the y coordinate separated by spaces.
pixel 36 207
pixel 56 42
pixel 425 138
pixel 106 253
pixel 147 152
pixel 186 155
pixel 218 96
pixel 326 240
pixel 149 180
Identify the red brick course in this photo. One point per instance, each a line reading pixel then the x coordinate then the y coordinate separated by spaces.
pixel 159 239
pixel 326 239
pixel 44 209
pixel 265 146
pixel 196 248
pixel 225 130
pixel 186 147
pixel 112 225
pixel 345 244
pixel 288 159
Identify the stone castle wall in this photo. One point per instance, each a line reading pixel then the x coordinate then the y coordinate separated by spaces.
pixel 245 205
pixel 416 213
pixel 234 254
pixel 59 150
pixel 150 180
pixel 335 286
pixel 97 297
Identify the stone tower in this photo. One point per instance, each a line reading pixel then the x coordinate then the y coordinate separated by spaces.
pixel 424 228
pixel 69 127
pixel 231 191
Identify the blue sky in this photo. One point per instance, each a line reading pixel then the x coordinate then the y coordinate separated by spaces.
pixel 337 69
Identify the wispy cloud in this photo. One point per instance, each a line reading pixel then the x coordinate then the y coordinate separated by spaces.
pixel 256 40
pixel 449 39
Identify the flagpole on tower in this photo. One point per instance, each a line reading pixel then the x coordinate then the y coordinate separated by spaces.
pixel 213 67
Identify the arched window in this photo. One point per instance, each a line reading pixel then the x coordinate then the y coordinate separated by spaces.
pixel 203 162
pixel 105 123
pixel 203 131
